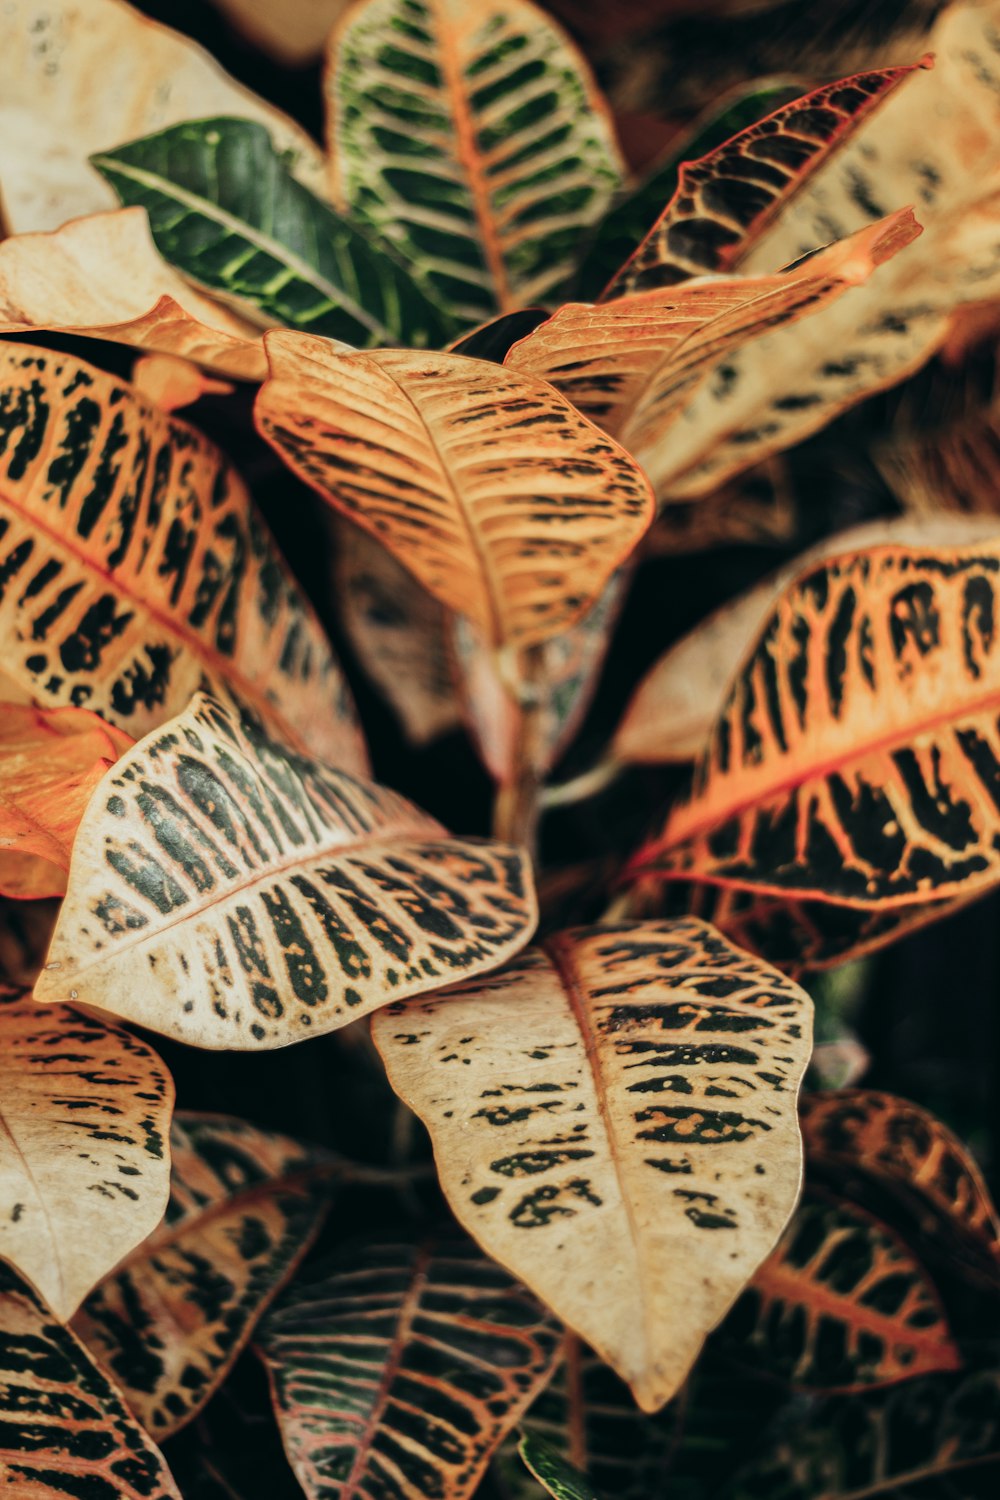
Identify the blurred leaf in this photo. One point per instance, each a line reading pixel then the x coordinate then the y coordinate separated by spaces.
pixel 553 1472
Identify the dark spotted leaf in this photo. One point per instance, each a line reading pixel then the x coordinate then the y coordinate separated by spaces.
pixel 937 1438
pixel 840 1305
pixel 134 566
pixel 232 893
pixel 226 210
pixel 515 152
pixel 245 1205
pixel 624 1116
pixel 83 1155
pixel 500 498
pixel 397 1369
pixel 65 1431
pixel 553 1473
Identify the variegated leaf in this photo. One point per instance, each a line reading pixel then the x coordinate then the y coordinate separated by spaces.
pixel 726 199
pixel 623 1116
pixel 83 1158
pixel 840 1305
pixel 398 1369
pixel 504 502
pixel 635 364
pixel 65 1432
pixel 227 211
pixel 169 1322
pixel 83 75
pixel 49 765
pixel 856 756
pixel 102 277
pixel 471 137
pixel 553 1473
pixel 932 1439
pixel 232 893
pixel 134 566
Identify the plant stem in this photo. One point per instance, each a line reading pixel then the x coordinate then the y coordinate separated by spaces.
pixel 516 809
pixel 587 784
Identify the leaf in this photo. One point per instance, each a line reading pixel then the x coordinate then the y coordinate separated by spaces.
pixel 505 503
pixel 229 892
pixel 49 765
pixel 554 1117
pixel 171 1320
pixel 636 364
pixel 951 470
pixel 80 78
pixel 83 1160
pixel 293 37
pixel 135 566
pixel 841 1304
pixel 65 1429
pixel 853 760
pixel 727 198
pixel 909 1152
pixel 226 210
pixel 939 1436
pixel 397 1369
pixel 473 139
pixel 553 1473
pixel 103 278
pixel 170 382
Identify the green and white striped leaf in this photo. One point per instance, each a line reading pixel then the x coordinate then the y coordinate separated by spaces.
pixel 398 1369
pixel 613 1118
pixel 553 1472
pixel 470 135
pixel 65 1431
pixel 245 1205
pixel 232 893
pixel 225 209
pixel 84 1166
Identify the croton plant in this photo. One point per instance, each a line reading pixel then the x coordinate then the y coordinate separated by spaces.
pixel 534 384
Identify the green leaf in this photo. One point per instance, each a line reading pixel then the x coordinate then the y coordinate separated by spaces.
pixel 552 1471
pixel 225 209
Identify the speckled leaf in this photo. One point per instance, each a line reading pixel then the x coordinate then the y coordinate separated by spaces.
pixel 245 1205
pixel 840 1305
pixel 397 1370
pixel 83 1157
pixel 932 1439
pixel 102 277
pixel 504 502
pixel 134 566
pixel 469 135
pixel 225 209
pixel 625 1116
pixel 83 75
pixel 726 199
pixel 65 1432
pixel 49 765
pixel 232 893
pixel 553 1473
pixel 855 757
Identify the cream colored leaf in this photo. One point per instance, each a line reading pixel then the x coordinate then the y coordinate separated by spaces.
pixel 614 1119
pixel 82 76
pixel 84 1166
pixel 506 504
pixel 102 276
pixel 229 892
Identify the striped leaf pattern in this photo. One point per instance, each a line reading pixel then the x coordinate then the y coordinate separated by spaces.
pixel 168 1324
pixel 932 1439
pixel 83 1154
pixel 65 1431
pixel 501 499
pixel 633 364
pixel 397 1369
pixel 227 211
pixel 553 1473
pixel 856 757
pixel 470 136
pixel 624 1115
pixel 231 893
pixel 133 566
pixel 840 1305
pixel 50 762
pixel 725 200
